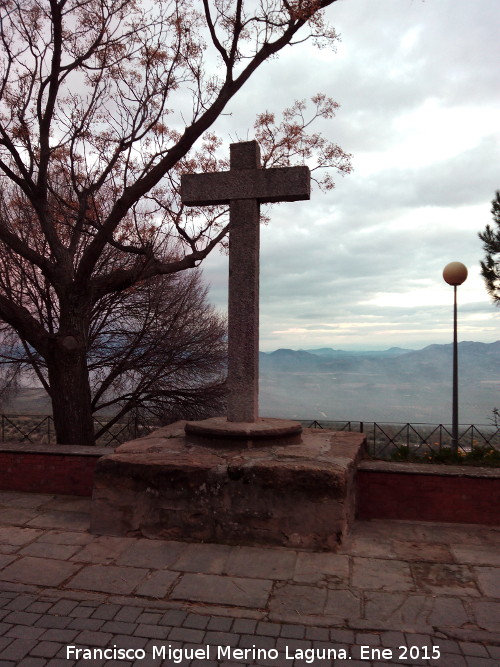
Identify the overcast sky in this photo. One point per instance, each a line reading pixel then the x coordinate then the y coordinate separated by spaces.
pixel 361 266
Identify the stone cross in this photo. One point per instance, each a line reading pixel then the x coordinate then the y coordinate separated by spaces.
pixel 244 187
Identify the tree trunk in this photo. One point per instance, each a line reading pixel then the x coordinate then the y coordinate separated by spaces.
pixel 70 393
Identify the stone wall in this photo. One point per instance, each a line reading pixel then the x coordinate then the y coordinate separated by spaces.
pixel 400 491
pixel 48 468
pixel 427 492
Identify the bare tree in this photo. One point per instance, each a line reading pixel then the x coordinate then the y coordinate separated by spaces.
pixel 91 152
pixel 157 350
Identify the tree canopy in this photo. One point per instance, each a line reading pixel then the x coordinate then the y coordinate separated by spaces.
pixel 103 105
pixel 490 266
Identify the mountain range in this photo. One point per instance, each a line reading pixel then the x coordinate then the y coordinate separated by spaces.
pixel 394 385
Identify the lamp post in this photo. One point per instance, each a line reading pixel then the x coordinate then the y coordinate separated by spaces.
pixel 455 273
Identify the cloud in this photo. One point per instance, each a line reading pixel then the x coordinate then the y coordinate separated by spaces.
pixel 418 88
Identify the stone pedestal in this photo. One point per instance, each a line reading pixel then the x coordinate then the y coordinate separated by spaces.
pixel 291 492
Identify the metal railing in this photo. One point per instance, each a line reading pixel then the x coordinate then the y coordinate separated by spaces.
pixel 383 438
pixel 40 429
pixel 386 438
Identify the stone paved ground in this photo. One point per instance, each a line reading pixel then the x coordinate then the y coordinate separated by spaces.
pixel 396 593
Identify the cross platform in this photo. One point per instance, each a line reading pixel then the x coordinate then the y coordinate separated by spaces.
pixel 168 486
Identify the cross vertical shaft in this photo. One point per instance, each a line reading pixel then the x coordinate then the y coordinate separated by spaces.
pixel 243 302
pixel 244 187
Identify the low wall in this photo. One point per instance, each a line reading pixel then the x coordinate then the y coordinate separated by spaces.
pixel 385 490
pixel 61 469
pixel 428 492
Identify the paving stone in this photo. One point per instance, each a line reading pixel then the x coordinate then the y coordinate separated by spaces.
pixel 219 638
pixel 18 649
pixel 368 639
pixel 6 560
pixel 5 641
pixel 296 600
pixel 22 499
pixel 152 631
pixel 108 579
pixel 446 645
pixel 82 612
pixel 39 607
pixel 249 641
pixel 45 649
pixel 9 549
pixel 69 504
pixel 217 589
pixel 102 550
pixel 316 596
pixel 21 602
pixel 487 615
pixel 53 621
pixel 269 629
pixel 489 581
pixel 151 553
pixel 293 631
pixel 119 627
pixel 106 611
pixel 75 521
pixel 259 563
pixel 39 571
pixel 244 625
pixel 219 623
pixel 32 662
pixel 196 622
pixel 470 648
pixel 448 613
pixel 410 612
pixel 203 558
pixel 419 640
pixel 381 575
pixel 151 618
pixel 477 555
pixel 62 636
pixel 15 516
pixel 187 635
pixel 128 614
pixel 342 604
pixel 92 624
pixel 157 584
pixel 129 641
pixel 445 579
pixel 318 634
pixel 293 644
pixel 63 537
pixel 21 618
pixel 392 639
pixel 476 661
pixel 45 550
pixel 91 638
pixel 63 607
pixel 24 631
pixel 415 551
pixel 313 567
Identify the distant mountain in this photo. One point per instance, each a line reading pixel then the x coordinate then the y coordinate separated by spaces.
pixel 392 385
pixel 329 352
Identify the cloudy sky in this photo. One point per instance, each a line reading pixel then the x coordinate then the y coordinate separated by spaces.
pixel 361 266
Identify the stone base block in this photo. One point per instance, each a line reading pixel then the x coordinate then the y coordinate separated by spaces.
pixel 165 487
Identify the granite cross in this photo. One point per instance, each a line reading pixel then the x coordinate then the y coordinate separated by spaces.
pixel 244 187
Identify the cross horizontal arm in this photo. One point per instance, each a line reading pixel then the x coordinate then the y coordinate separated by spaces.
pixel 264 185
